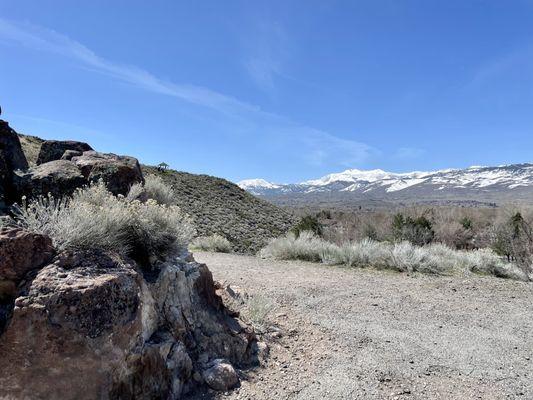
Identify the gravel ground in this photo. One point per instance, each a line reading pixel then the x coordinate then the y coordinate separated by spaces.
pixel 365 334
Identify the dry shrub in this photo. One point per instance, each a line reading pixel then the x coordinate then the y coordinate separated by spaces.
pixel 404 256
pixel 214 243
pixel 96 219
pixel 153 188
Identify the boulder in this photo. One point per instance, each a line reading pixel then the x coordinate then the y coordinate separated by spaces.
pixel 68 154
pixel 221 376
pixel 59 178
pixel 55 149
pixel 20 253
pixel 11 158
pixel 90 325
pixel 118 172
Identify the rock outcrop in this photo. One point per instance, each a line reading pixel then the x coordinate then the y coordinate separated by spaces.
pixel 20 253
pixel 11 158
pixel 118 172
pixel 55 149
pixel 59 178
pixel 90 325
pixel 62 177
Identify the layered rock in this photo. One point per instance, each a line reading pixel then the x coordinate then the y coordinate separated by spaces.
pixel 89 325
pixel 55 149
pixel 11 158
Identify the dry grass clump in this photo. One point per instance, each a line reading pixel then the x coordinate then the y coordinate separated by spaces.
pixel 306 247
pixel 257 310
pixel 214 243
pixel 93 218
pixel 153 188
pixel 403 256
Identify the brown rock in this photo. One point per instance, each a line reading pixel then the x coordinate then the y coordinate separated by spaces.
pixel 55 149
pixel 118 172
pixel 90 326
pixel 21 251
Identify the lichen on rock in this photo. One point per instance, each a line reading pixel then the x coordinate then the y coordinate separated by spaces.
pixel 89 325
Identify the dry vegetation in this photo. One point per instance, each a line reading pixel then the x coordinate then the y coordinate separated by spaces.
pixel 401 256
pixel 214 243
pixel 506 230
pixel 93 218
pixel 495 241
pixel 31 145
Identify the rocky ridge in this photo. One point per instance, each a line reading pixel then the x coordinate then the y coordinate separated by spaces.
pixel 96 325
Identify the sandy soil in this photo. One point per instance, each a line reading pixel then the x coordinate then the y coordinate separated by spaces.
pixel 364 334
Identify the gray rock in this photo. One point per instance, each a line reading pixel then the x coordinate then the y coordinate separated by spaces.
pixel 55 149
pixel 118 172
pixel 68 154
pixel 11 158
pixel 59 178
pixel 221 376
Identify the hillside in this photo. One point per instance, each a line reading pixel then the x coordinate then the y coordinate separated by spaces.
pixel 471 185
pixel 219 206
pixel 31 145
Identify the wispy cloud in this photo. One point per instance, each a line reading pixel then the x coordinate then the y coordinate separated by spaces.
pixel 47 123
pixel 405 153
pixel 42 39
pixel 266 50
pixel 519 59
pixel 311 145
pixel 323 147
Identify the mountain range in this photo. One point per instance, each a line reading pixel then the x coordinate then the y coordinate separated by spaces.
pixel 474 184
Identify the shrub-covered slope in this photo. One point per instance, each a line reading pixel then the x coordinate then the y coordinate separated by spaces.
pixel 215 205
pixel 219 206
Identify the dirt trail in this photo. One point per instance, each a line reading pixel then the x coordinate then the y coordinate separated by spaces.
pixel 363 334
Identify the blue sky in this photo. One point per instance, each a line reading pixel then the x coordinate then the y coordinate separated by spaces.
pixel 283 90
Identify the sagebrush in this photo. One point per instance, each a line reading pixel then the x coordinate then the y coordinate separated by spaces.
pixel 93 218
pixel 402 256
pixel 215 243
pixel 153 188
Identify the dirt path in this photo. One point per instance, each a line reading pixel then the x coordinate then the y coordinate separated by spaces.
pixel 362 334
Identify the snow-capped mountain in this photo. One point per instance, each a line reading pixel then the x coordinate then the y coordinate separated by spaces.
pixel 474 183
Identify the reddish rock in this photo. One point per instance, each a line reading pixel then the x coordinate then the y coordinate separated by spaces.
pixel 22 251
pixel 91 326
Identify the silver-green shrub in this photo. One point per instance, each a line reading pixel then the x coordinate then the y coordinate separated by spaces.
pixel 403 256
pixel 93 218
pixel 214 243
pixel 153 188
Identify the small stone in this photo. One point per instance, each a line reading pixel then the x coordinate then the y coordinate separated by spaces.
pixel 221 376
pixel 197 377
